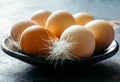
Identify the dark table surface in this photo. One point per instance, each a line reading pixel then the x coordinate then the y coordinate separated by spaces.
pixel 14 70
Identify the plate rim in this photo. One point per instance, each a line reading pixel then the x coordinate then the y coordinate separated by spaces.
pixel 26 58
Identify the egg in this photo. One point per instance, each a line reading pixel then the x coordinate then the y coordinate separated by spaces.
pixel 41 16
pixel 83 41
pixel 82 18
pixel 36 41
pixel 75 42
pixel 103 33
pixel 59 21
pixel 19 27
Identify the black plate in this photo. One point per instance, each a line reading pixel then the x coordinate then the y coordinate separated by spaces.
pixel 40 61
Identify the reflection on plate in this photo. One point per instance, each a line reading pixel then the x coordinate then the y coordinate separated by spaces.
pixel 40 61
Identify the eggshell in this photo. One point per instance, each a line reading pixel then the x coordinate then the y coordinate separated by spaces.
pixel 59 21
pixel 82 39
pixel 82 18
pixel 103 33
pixel 41 16
pixel 36 41
pixel 19 27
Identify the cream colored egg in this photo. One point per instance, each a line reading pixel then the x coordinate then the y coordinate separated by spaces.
pixel 59 21
pixel 41 16
pixel 82 40
pixel 19 27
pixel 82 18
pixel 103 33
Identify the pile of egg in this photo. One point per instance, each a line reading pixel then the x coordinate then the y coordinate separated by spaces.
pixel 61 35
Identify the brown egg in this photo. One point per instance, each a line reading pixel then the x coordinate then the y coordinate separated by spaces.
pixel 82 18
pixel 19 27
pixel 103 33
pixel 41 16
pixel 59 21
pixel 36 41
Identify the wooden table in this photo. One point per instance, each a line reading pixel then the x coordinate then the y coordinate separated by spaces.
pixel 13 70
